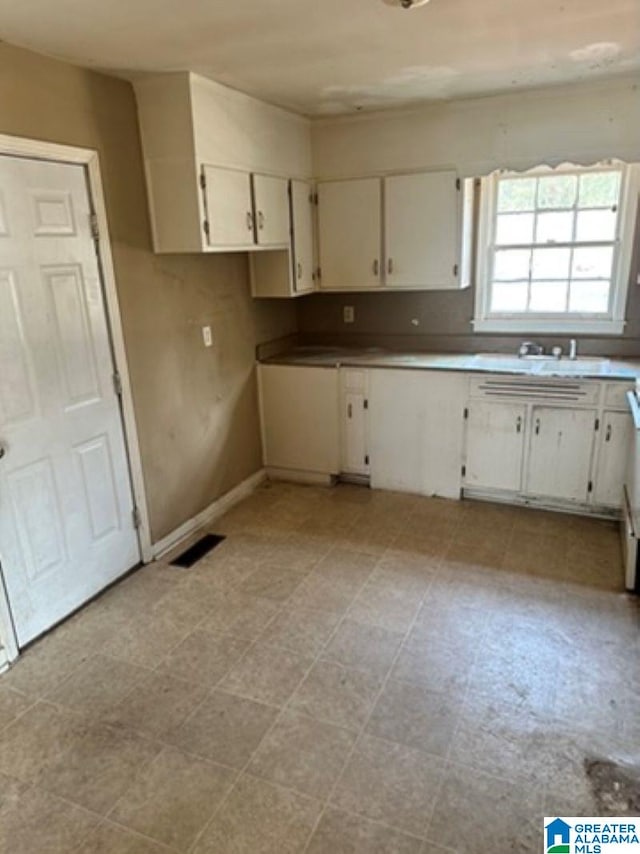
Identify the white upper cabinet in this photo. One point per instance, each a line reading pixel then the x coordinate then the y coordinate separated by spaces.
pixel 229 213
pixel 421 230
pixel 271 210
pixel 302 240
pixel 190 127
pixel 349 234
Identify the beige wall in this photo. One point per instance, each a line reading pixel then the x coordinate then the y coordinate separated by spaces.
pixel 196 409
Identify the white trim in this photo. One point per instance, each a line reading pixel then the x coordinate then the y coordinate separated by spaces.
pixel 313 478
pixel 611 324
pixel 216 509
pixel 15 146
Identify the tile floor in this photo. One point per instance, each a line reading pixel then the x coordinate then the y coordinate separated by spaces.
pixel 350 671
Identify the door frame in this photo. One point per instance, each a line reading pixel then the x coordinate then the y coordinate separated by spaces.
pixel 89 158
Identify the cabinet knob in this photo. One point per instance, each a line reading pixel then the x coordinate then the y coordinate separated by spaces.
pixel 349 411
pixel 249 221
pixel 299 270
pixel 519 424
pixel 390 265
pixel 376 267
pixel 537 426
pixel 607 437
pixel 260 220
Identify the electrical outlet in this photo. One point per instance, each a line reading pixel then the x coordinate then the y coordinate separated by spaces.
pixel 348 314
pixel 207 336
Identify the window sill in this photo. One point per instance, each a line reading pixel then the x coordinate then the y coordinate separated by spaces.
pixel 551 326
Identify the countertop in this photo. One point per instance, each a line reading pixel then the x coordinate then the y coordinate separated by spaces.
pixel 584 367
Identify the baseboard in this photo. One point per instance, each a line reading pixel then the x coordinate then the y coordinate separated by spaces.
pixel 213 511
pixel 296 476
pixel 557 506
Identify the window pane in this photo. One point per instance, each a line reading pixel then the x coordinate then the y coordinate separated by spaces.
pixel 555 227
pixel 516 194
pixel 592 263
pixel 599 189
pixel 557 191
pixel 550 264
pixel 596 225
pixel 514 228
pixel 548 296
pixel 511 264
pixel 589 297
pixel 508 296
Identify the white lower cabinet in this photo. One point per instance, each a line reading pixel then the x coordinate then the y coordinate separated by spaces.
pixel 354 420
pixel 300 418
pixel 495 445
pixel 560 450
pixel 614 452
pixel 416 429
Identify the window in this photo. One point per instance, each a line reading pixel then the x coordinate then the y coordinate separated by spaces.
pixel 554 248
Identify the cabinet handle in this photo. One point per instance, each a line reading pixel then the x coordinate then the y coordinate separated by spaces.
pixel 260 220
pixel 519 424
pixel 249 221
pixel 390 265
pixel 537 426
pixel 299 270
pixel 349 411
pixel 607 437
pixel 376 267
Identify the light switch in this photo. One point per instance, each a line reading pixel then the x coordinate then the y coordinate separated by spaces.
pixel 207 336
pixel 348 314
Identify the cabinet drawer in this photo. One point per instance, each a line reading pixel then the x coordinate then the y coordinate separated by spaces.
pixel 560 390
pixel 615 395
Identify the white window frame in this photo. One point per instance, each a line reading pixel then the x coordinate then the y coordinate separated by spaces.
pixel 611 323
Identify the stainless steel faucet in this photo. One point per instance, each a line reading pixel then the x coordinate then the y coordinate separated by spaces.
pixel 573 348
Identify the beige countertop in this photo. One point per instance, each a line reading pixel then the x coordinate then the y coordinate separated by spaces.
pixel 584 367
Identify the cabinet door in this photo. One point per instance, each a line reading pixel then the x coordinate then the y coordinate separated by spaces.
pixel 271 204
pixel 613 459
pixel 300 418
pixel 354 433
pixel 302 219
pixel 229 211
pixel 349 233
pixel 560 450
pixel 495 445
pixel 421 228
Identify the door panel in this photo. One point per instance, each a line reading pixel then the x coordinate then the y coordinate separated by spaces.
pixel 66 529
pixel 615 452
pixel 302 219
pixel 421 219
pixel 495 445
pixel 560 450
pixel 349 233
pixel 354 446
pixel 229 207
pixel 271 196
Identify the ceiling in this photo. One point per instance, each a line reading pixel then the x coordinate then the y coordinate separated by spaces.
pixel 337 56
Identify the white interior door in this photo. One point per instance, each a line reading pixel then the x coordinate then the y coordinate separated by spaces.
pixel 271 199
pixel 494 445
pixel 421 233
pixel 349 233
pixel 66 526
pixel 229 207
pixel 302 219
pixel 560 450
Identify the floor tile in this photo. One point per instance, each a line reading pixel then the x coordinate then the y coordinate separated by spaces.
pixel 302 753
pixel 336 694
pixel 44 665
pixel 97 686
pixel 204 657
pixel 38 821
pixel 240 615
pixel 12 704
pixel 415 716
pixel 347 567
pixel 271 581
pixel 350 834
pixel 108 838
pixel 267 674
pixel 384 601
pixel 438 664
pixel 98 766
pixel 259 818
pixel 173 797
pixel 301 630
pixel 225 729
pixel 363 647
pixel 145 638
pixel 390 783
pixel 158 704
